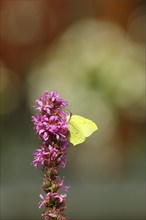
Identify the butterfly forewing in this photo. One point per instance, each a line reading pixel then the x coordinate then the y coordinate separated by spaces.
pixel 84 125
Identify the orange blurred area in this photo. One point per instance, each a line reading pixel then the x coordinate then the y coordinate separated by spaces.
pixel 27 27
pixel 93 53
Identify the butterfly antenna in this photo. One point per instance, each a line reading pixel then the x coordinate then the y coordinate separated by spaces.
pixel 69 112
pixel 69 115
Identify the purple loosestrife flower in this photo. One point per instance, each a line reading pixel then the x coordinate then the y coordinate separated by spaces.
pixel 47 126
pixel 50 125
pixel 50 102
pixel 52 198
pixel 49 156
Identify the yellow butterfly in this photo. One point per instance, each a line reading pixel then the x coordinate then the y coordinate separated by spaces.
pixel 79 128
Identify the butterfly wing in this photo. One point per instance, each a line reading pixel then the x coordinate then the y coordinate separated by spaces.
pixel 75 136
pixel 86 126
pixel 80 128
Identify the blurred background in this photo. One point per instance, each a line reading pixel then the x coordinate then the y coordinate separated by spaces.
pixel 93 53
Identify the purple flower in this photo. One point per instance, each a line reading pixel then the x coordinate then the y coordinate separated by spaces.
pixel 53 184
pixel 52 215
pixel 47 127
pixel 49 102
pixel 49 156
pixel 61 184
pixel 52 199
pixel 40 156
pixel 51 127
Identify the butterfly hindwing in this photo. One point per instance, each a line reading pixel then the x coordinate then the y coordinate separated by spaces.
pixel 75 137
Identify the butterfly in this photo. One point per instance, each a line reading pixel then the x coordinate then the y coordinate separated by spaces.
pixel 79 128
